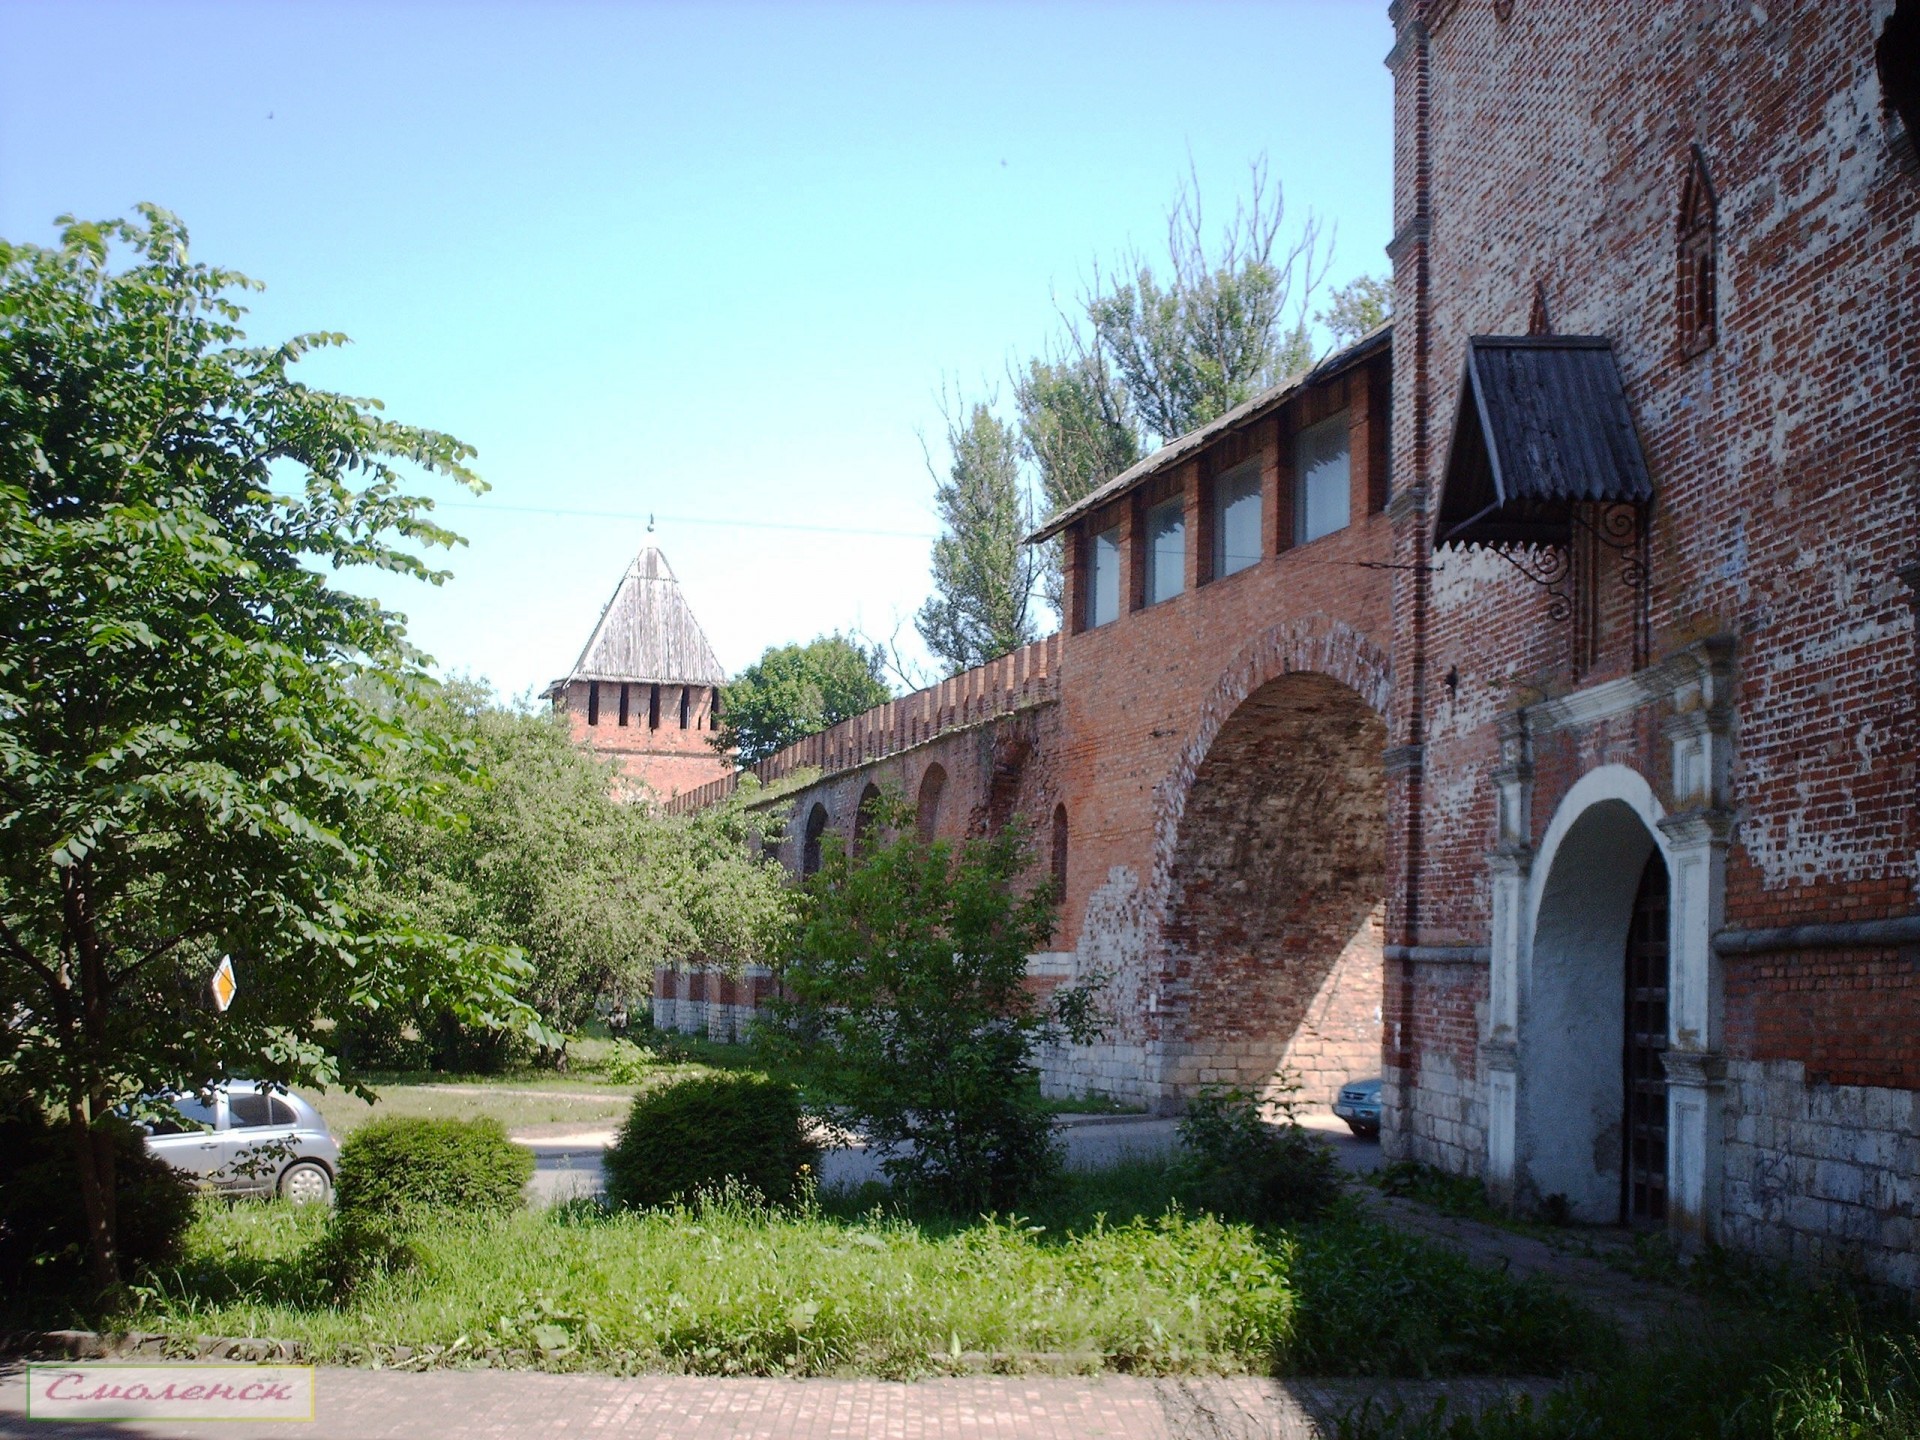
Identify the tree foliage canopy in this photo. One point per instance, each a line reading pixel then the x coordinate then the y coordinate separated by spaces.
pixel 595 891
pixel 1219 325
pixel 1362 304
pixel 793 691
pixel 1156 348
pixel 186 768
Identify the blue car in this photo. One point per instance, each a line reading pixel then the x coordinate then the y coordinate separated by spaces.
pixel 1359 1106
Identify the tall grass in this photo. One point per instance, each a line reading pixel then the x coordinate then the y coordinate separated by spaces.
pixel 734 1288
pixel 1103 1279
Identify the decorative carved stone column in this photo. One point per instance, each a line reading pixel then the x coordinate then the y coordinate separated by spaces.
pixel 1512 866
pixel 1699 827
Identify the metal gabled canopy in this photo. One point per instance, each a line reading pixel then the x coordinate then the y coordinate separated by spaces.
pixel 1542 427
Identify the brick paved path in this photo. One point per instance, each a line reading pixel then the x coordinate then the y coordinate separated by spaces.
pixel 1590 1263
pixel 387 1405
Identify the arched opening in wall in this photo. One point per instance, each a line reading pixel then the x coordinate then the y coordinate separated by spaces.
pixel 1010 754
pixel 1592 1118
pixel 1279 873
pixel 926 810
pixel 865 820
pixel 810 840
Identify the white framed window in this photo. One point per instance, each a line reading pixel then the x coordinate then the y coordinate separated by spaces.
pixel 1322 480
pixel 1236 518
pixel 1166 550
pixel 1103 577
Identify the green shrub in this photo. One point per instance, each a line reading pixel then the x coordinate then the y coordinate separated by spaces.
pixel 628 1063
pixel 696 1133
pixel 1241 1167
pixel 394 1169
pixel 43 1230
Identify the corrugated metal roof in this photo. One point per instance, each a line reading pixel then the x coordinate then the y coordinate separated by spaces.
pixel 647 632
pixel 1244 413
pixel 1542 425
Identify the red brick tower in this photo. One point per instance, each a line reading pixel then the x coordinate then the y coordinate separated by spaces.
pixel 646 688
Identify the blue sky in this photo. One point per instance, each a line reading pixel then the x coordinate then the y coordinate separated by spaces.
pixel 710 263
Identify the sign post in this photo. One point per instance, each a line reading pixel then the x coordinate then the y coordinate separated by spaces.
pixel 224 985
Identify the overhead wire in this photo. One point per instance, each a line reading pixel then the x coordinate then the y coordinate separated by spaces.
pixel 651 517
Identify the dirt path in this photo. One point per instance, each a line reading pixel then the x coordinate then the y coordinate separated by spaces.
pixel 1587 1263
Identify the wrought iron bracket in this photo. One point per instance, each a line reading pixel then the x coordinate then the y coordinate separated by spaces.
pixel 1624 528
pixel 1548 566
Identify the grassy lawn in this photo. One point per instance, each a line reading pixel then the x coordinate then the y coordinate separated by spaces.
pixel 585 1097
pixel 1107 1276
pixel 516 1104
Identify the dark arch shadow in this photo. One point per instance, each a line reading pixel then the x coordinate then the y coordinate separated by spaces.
pixel 865 821
pixel 810 843
pixel 926 813
pixel 1272 933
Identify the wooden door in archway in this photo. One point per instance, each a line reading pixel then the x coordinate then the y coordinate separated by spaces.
pixel 1643 1199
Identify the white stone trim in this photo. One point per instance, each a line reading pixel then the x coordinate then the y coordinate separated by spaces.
pixel 1608 782
pixel 1695 687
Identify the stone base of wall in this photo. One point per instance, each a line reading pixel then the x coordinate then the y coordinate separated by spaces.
pixel 709 1003
pixel 1822 1176
pixel 1435 1116
pixel 1108 1070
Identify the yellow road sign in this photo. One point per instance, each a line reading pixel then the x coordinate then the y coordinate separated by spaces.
pixel 224 985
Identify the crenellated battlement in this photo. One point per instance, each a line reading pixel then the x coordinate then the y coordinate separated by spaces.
pixel 1023 677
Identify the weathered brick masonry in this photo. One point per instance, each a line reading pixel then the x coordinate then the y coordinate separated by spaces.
pixel 1203 767
pixel 1754 725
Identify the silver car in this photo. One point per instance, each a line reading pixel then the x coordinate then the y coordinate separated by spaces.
pixel 244 1138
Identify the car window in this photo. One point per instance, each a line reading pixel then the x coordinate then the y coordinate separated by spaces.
pixel 248 1111
pixel 283 1112
pixel 198 1113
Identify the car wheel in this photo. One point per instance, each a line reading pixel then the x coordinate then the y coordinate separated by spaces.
pixel 306 1184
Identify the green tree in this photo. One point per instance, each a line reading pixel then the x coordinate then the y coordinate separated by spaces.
pixel 1077 430
pixel 1155 350
pixel 793 691
pixel 984 573
pixel 595 891
pixel 904 996
pixel 1219 325
pixel 1362 304
pixel 186 768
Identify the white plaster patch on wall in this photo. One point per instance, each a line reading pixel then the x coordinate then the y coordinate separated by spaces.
pixel 1461 577
pixel 1450 801
pixel 1112 948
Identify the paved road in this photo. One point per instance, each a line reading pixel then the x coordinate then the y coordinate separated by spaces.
pixel 388 1405
pixel 569 1165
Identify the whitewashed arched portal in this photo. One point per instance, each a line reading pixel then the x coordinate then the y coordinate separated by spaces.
pixel 1561 912
pixel 1570 978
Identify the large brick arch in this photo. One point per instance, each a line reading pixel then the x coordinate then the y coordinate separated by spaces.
pixel 1269 869
pixel 1319 646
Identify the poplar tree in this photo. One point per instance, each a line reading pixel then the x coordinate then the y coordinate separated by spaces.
pixel 984 573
